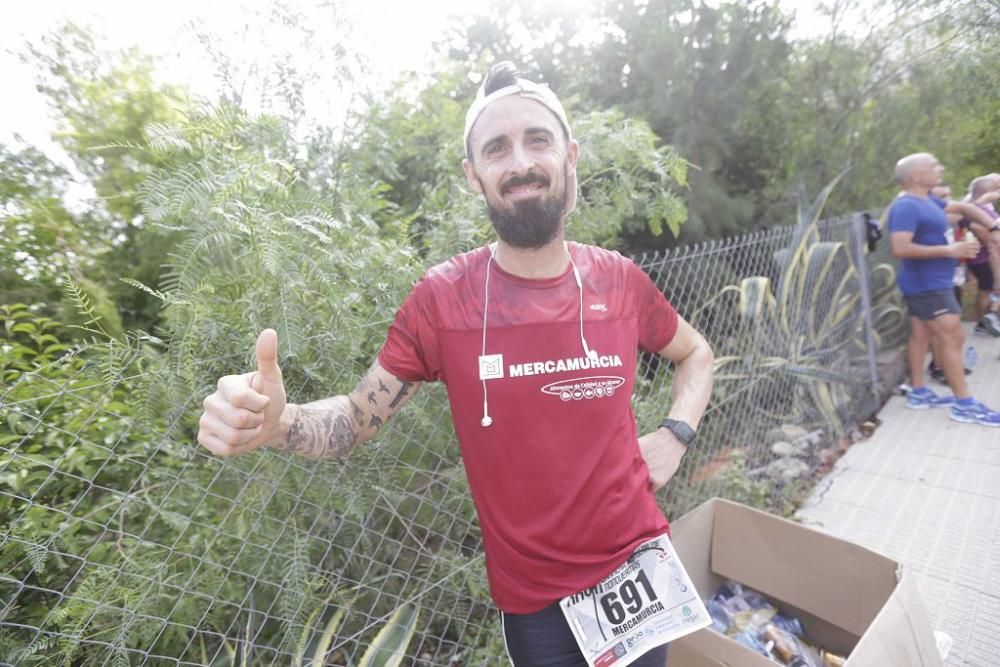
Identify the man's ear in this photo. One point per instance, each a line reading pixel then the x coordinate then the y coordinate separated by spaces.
pixel 470 176
pixel 572 153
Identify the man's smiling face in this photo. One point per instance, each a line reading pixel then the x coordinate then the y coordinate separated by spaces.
pixel 521 163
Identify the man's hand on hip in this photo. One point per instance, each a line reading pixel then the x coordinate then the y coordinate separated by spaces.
pixel 662 452
pixel 245 411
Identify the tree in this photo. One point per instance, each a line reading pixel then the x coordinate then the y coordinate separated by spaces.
pixel 755 111
pixel 45 243
pixel 104 102
pixel 703 77
pixel 628 184
pixel 888 79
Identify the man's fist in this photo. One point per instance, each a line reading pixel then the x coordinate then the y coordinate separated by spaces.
pixel 967 248
pixel 662 452
pixel 244 413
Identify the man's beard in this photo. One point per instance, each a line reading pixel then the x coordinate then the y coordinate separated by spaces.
pixel 533 222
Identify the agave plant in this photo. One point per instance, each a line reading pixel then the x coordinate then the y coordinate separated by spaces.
pixel 389 645
pixel 890 320
pixel 387 648
pixel 797 338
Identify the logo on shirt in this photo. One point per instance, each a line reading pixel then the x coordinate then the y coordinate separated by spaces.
pixel 490 366
pixel 585 389
pixel 563 365
pixel 599 306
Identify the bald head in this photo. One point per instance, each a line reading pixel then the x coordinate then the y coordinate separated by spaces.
pixel 907 165
pixel 919 171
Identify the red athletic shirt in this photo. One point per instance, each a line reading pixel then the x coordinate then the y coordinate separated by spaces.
pixel 557 480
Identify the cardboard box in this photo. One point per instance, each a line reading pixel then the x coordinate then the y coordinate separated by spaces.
pixel 850 600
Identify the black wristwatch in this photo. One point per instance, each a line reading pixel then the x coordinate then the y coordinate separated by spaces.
pixel 681 430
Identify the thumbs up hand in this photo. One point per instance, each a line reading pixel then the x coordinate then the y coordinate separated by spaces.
pixel 267 380
pixel 244 413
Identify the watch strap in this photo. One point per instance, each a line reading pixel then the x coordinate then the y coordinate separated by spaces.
pixel 682 430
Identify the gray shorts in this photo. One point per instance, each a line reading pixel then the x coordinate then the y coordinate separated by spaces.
pixel 929 305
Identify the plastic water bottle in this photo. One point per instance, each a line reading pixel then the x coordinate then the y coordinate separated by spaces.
pixel 970 357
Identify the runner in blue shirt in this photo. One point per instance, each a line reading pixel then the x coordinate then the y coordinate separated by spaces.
pixel 917 225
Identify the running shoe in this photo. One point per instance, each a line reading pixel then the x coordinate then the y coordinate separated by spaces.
pixel 989 325
pixel 974 413
pixel 923 399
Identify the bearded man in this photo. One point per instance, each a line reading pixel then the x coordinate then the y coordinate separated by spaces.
pixel 536 340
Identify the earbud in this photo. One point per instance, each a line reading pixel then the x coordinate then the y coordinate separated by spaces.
pixel 486 420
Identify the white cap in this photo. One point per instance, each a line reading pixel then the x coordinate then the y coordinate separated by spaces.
pixel 524 88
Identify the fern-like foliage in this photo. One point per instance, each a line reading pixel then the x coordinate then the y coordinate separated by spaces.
pixel 260 248
pixel 78 297
pixel 199 545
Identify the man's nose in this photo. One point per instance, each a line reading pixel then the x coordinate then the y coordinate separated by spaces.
pixel 521 160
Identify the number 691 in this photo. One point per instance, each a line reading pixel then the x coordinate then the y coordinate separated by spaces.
pixel 628 598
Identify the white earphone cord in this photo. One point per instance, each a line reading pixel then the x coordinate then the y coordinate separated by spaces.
pixel 591 354
pixel 487 420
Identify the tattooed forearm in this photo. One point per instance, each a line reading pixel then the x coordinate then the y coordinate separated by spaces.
pixel 363 383
pixel 359 414
pixel 323 429
pixel 341 439
pixel 403 391
pixel 331 428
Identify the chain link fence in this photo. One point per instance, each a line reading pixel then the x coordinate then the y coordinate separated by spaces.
pixel 801 322
pixel 124 543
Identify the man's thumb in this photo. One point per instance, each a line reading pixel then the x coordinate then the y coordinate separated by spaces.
pixel 267 356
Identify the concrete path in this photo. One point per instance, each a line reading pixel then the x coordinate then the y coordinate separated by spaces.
pixel 926 491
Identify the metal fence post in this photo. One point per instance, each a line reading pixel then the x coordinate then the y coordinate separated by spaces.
pixel 858 241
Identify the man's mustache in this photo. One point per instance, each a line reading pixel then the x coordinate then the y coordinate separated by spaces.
pixel 527 179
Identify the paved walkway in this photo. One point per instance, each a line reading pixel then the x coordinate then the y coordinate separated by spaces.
pixel 926 491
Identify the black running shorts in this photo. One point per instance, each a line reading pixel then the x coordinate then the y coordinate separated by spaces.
pixel 543 639
pixel 984 276
pixel 929 305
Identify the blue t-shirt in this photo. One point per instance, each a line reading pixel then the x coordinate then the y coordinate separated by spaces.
pixel 926 219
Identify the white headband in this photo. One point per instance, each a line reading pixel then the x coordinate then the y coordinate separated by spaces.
pixel 524 88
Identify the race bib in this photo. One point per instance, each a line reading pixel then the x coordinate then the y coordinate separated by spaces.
pixel 645 603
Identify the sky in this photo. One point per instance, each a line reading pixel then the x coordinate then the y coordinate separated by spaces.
pixel 394 35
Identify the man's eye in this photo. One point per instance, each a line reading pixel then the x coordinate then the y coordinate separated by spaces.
pixel 539 140
pixel 493 149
